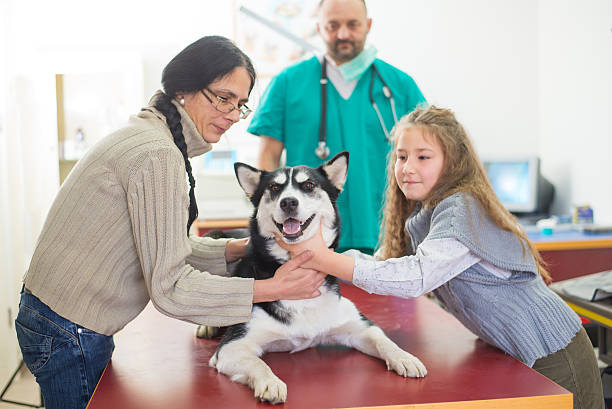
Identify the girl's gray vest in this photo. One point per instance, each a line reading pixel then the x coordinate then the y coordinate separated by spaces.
pixel 519 315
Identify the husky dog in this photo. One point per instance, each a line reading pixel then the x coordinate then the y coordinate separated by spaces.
pixel 293 202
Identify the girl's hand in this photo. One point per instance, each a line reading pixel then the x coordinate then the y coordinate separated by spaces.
pixel 324 259
pixel 316 244
pixel 235 249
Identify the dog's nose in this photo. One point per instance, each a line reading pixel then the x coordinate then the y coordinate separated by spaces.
pixel 289 204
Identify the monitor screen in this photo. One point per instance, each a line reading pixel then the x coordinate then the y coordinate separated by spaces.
pixel 515 181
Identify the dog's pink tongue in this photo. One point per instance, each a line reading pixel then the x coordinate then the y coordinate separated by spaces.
pixel 291 226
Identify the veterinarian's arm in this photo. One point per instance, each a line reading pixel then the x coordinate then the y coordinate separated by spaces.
pixel 270 151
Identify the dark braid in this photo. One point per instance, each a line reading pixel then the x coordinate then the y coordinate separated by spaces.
pixel 192 70
pixel 173 119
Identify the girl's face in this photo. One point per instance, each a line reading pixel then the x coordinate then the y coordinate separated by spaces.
pixel 210 122
pixel 419 163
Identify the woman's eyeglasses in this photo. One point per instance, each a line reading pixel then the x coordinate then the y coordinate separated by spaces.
pixel 224 105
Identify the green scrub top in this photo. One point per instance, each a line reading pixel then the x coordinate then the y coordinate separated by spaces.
pixel 290 111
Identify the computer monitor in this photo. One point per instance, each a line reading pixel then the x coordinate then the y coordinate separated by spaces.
pixel 519 185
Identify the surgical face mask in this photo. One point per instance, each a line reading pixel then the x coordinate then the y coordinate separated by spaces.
pixel 353 69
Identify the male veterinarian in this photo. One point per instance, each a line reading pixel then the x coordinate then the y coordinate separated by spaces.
pixel 346 99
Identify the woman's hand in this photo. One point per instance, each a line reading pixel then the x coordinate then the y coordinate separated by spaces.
pixel 235 249
pixel 290 282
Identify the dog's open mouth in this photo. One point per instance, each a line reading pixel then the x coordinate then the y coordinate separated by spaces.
pixel 293 228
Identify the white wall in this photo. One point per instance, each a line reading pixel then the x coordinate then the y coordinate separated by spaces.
pixel 8 355
pixel 155 30
pixel 29 179
pixel 477 57
pixel 531 77
pixel 575 101
pixel 38 40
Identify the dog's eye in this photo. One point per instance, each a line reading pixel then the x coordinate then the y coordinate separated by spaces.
pixel 308 186
pixel 274 187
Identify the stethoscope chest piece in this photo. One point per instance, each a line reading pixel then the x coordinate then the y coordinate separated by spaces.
pixel 322 151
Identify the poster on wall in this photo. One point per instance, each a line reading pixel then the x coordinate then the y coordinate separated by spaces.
pixel 277 33
pixel 274 34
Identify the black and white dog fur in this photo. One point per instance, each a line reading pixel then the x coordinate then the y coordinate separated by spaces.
pixel 293 202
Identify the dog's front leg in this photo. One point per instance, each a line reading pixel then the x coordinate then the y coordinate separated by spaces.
pixel 371 340
pixel 240 361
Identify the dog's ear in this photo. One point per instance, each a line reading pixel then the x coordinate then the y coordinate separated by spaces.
pixel 248 177
pixel 336 169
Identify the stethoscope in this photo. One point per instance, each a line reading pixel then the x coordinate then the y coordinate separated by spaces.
pixel 322 150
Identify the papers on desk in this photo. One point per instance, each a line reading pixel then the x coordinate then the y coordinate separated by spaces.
pixel 593 287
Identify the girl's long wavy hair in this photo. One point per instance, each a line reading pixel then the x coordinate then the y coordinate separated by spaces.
pixel 462 172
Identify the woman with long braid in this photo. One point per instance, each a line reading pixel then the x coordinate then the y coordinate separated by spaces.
pixel 116 235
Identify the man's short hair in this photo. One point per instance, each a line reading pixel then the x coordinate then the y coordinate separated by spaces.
pixel 363 1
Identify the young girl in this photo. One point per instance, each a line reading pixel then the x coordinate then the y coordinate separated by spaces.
pixel 445 231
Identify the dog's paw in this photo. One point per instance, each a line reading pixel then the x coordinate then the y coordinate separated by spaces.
pixel 407 365
pixel 271 389
pixel 207 332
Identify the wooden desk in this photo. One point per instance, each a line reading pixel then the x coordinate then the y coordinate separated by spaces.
pixel 572 254
pixel 159 363
pixel 204 226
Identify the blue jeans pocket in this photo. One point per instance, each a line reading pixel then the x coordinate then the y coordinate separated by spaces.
pixel 35 347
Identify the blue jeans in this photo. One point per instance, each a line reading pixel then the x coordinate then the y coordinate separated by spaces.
pixel 66 359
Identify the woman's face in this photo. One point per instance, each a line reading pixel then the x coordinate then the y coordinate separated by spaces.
pixel 210 122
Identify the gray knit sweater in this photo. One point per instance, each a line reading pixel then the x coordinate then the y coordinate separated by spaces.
pixel 515 312
pixel 115 237
pixel 520 315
